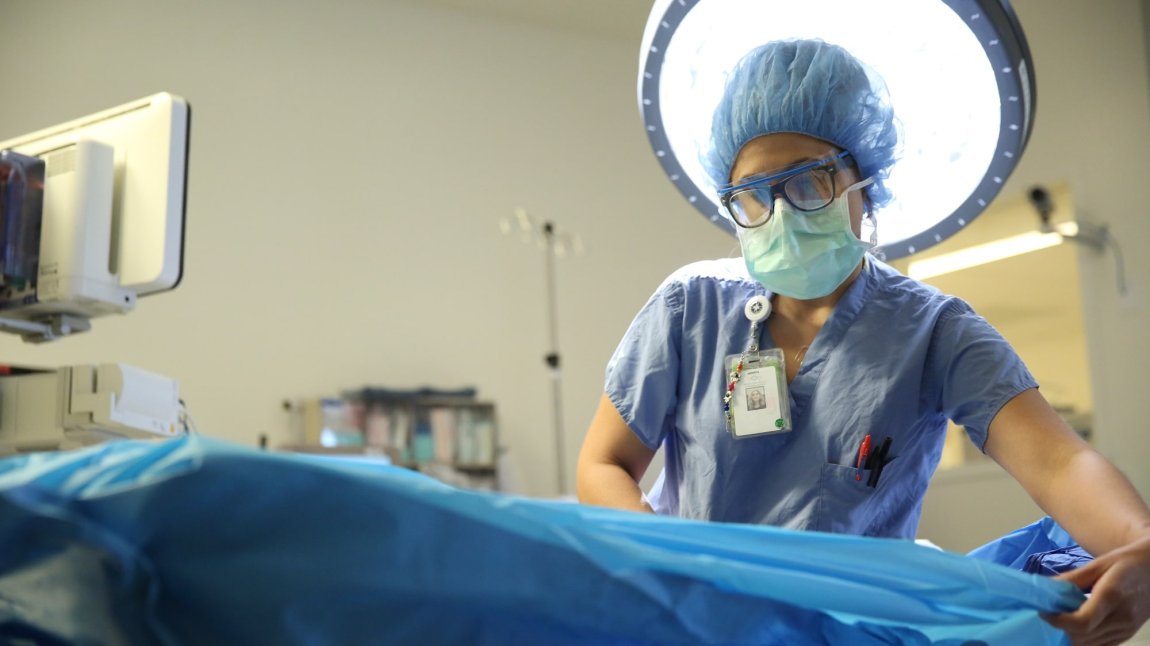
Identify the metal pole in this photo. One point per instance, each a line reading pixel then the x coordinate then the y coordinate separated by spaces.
pixel 552 358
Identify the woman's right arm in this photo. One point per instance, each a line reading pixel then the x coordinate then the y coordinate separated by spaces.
pixel 611 462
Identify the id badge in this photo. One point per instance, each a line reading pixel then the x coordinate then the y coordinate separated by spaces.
pixel 759 403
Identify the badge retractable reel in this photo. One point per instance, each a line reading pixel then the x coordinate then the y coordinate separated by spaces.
pixel 756 401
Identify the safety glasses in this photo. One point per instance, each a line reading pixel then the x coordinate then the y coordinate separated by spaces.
pixel 807 188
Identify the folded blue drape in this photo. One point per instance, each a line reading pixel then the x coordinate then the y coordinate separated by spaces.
pixel 196 541
pixel 1042 547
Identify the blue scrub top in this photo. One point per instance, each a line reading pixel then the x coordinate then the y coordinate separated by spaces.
pixel 896 358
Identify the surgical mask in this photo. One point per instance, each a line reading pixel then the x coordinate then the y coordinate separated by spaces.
pixel 804 254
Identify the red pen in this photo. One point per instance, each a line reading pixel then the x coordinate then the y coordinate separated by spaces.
pixel 864 451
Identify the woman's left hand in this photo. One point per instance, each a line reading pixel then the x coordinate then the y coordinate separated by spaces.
pixel 1119 603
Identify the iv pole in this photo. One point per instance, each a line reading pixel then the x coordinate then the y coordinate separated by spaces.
pixel 552 357
pixel 553 243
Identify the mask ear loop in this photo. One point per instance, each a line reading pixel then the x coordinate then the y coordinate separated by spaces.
pixel 868 207
pixel 868 210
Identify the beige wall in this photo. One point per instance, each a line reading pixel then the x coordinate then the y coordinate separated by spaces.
pixel 350 163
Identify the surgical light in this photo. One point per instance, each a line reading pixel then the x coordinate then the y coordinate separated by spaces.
pixel 958 73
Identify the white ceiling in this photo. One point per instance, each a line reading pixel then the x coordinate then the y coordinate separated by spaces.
pixel 619 20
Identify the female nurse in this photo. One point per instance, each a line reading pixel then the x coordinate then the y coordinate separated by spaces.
pixel 865 365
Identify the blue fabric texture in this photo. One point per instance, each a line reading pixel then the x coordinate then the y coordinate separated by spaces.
pixel 194 541
pixel 1058 561
pixel 896 358
pixel 1042 547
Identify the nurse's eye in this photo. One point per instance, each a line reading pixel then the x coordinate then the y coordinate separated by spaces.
pixel 813 189
pixel 751 207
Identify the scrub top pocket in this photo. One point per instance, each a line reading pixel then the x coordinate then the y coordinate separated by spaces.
pixel 847 505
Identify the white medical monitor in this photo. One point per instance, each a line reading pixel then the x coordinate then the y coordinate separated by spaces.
pixel 149 142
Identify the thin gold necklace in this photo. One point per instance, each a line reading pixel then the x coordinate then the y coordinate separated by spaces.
pixel 800 355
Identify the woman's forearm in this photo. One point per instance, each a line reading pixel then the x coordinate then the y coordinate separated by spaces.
pixel 1066 477
pixel 1095 503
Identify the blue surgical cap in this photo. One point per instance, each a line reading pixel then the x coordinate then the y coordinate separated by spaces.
pixel 808 87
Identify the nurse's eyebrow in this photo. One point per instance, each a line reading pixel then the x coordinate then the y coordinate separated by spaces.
pixel 795 164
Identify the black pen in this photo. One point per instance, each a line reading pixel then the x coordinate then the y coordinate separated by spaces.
pixel 879 461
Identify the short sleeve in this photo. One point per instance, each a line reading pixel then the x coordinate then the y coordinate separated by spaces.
pixel 974 370
pixel 642 375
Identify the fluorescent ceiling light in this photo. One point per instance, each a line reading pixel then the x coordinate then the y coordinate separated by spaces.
pixel 989 252
pixel 959 81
